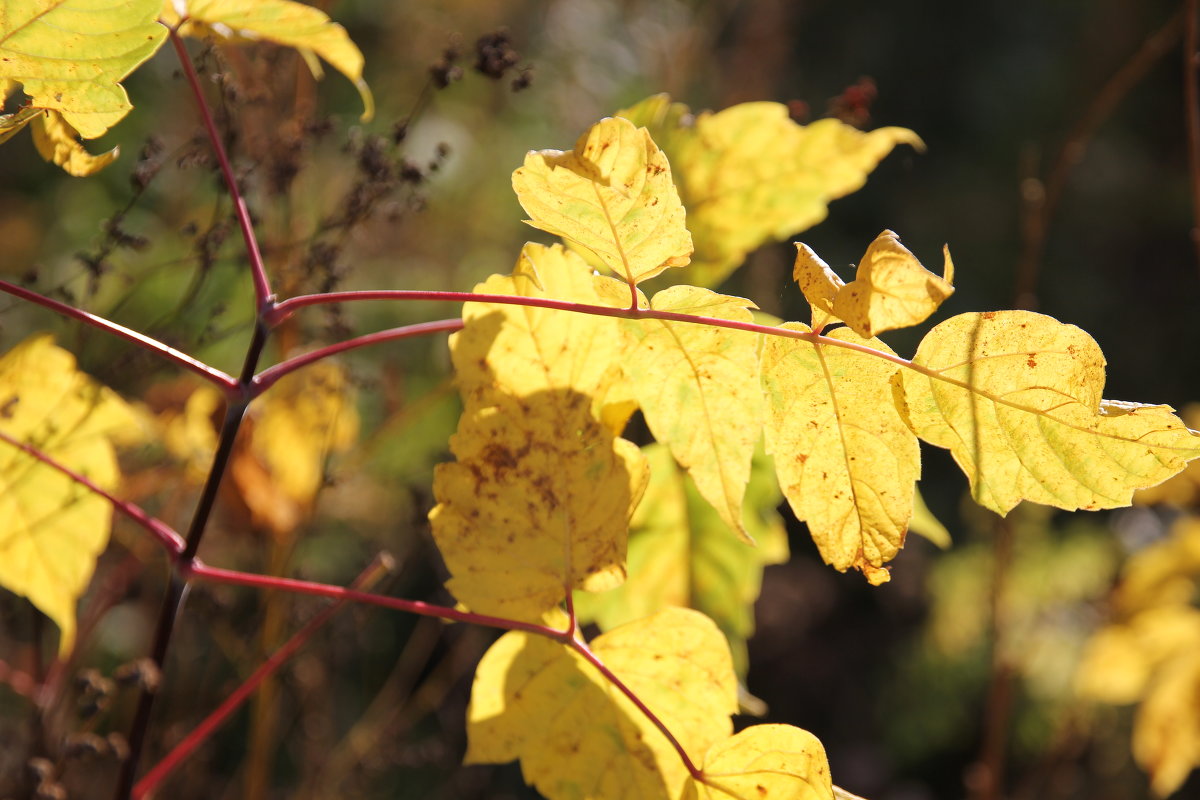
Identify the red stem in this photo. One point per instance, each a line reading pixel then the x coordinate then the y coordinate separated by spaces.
pixel 262 287
pixel 594 660
pixel 205 729
pixel 266 378
pixel 268 582
pixel 226 382
pixel 167 537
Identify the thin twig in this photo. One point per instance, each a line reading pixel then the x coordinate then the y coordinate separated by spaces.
pixel 200 734
pixel 262 286
pixel 211 374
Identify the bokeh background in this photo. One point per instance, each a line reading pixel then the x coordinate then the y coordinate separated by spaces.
pixel 1056 170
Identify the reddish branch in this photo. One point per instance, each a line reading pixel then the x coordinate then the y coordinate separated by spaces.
pixel 212 374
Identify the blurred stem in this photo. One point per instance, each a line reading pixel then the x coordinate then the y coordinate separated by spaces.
pixel 260 756
pixel 1041 198
pixel 1191 104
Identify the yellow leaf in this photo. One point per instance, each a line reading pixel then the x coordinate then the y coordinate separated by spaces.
pixel 1166 731
pixel 51 528
pixel 191 436
pixel 819 283
pixel 1121 659
pixel 681 554
pixel 764 762
pixel 749 175
pixel 11 124
pixel 1163 573
pixel 891 289
pixel 1183 490
pixel 302 418
pixel 520 350
pixel 57 142
pixel 846 460
pixel 698 387
pixel 1015 396
pixel 537 504
pixel 577 736
pixel 70 55
pixel 284 22
pixel 613 196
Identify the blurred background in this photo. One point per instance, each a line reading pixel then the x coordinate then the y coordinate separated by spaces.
pixel 1056 170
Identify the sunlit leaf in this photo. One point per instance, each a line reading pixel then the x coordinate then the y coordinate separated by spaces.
pixel 924 523
pixel 71 55
pixel 698 387
pixel 771 762
pixel 749 175
pixel 536 504
pixel 613 196
pixel 520 349
pixel 51 528
pixel 846 460
pixel 284 22
pixel 819 283
pixel 891 289
pixel 681 554
pixel 292 429
pixel 57 142
pixel 577 735
pixel 1016 398
pixel 1121 659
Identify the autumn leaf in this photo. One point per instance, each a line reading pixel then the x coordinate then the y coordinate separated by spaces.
pixel 71 55
pixel 819 283
pixel 697 386
pixel 613 196
pixel 1015 397
pixel 846 460
pixel 536 504
pixel 924 523
pixel 57 142
pixel 577 735
pixel 766 762
pixel 284 22
pixel 1166 730
pixel 681 554
pixel 291 430
pixel 521 349
pixel 51 528
pixel 749 175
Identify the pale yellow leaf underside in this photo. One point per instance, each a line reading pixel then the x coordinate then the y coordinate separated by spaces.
pixel 70 55
pixel 1015 397
pixel 51 528
pixel 764 762
pixel 611 195
pixel 699 390
pixel 577 735
pixel 846 460
pixel 56 142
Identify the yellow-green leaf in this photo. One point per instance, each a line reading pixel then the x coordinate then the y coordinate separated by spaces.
pixel 537 503
pixel 577 735
pixel 284 22
pixel 521 349
pixel 71 55
pixel 57 142
pixel 681 554
pixel 891 289
pixel 1016 398
pixel 846 460
pixel 698 387
pixel 749 175
pixel 613 196
pixel 51 528
pixel 764 762
pixel 924 523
